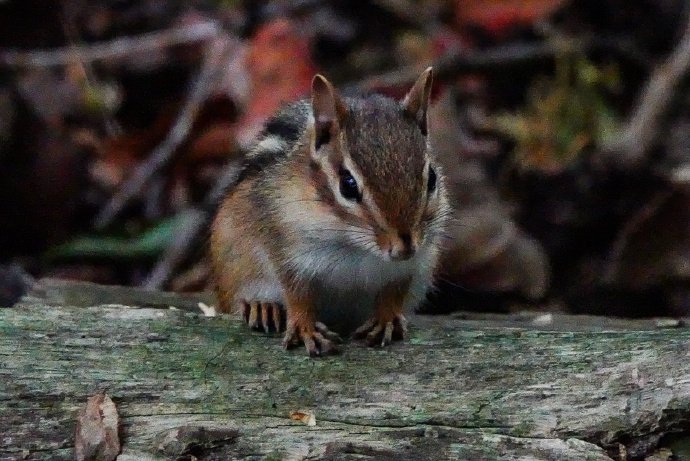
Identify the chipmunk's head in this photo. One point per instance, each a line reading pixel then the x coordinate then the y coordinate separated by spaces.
pixel 373 169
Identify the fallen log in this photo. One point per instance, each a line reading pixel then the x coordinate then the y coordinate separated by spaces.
pixel 477 388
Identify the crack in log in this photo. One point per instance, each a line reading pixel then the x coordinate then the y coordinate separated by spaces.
pixel 476 391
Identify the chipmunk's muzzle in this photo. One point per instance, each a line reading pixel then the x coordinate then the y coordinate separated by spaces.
pixel 399 246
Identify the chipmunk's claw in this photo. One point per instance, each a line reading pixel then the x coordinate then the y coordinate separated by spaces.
pixel 382 332
pixel 262 315
pixel 318 340
pixel 331 335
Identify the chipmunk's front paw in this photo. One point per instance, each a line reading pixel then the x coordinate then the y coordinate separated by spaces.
pixel 382 332
pixel 316 337
pixel 262 315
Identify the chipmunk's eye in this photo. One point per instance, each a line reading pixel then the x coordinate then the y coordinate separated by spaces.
pixel 348 186
pixel 431 185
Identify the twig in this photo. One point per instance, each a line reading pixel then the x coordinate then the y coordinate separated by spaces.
pixel 454 64
pixel 196 220
pixel 185 238
pixel 189 233
pixel 612 271
pixel 273 10
pixel 117 48
pixel 447 68
pixel 497 59
pixel 417 14
pixel 640 132
pixel 205 82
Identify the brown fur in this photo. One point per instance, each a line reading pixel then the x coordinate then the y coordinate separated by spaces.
pixel 255 230
pixel 389 302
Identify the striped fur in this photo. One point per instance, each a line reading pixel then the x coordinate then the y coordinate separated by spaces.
pixel 285 227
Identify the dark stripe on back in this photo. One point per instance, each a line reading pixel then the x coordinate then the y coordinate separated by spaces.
pixel 258 162
pixel 282 127
pixel 287 124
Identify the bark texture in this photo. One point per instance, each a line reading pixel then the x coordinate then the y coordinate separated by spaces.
pixel 189 385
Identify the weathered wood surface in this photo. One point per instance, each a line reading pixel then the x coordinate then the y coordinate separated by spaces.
pixel 457 390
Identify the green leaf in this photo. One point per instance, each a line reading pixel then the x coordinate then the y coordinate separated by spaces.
pixel 147 245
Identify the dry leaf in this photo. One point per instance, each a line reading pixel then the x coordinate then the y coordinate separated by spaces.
pixel 96 437
pixel 484 250
pixel 669 323
pixel 209 311
pixel 500 16
pixel 281 70
pixel 543 320
pixel 306 417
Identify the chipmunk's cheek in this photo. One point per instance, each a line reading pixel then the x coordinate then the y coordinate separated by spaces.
pixel 365 243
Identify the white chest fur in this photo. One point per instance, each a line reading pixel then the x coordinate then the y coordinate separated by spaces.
pixel 347 268
pixel 346 280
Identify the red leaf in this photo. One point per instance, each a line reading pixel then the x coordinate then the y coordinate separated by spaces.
pixel 281 70
pixel 499 16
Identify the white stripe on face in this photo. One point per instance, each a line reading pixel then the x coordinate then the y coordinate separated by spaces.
pixel 367 199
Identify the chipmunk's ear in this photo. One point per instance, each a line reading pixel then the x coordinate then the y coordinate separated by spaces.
pixel 329 111
pixel 416 101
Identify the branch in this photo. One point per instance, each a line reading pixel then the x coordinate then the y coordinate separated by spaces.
pixel 214 64
pixel 453 64
pixel 189 233
pixel 117 48
pixel 411 12
pixel 498 59
pixel 639 134
pixel 446 68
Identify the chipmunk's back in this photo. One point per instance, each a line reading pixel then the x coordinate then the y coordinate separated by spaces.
pixel 278 137
pixel 338 210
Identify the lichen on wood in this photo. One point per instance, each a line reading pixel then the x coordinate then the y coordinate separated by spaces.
pixel 457 389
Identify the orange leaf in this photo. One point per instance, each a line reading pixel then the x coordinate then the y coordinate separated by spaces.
pixel 306 417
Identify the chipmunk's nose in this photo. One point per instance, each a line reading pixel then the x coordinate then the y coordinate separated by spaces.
pixel 402 246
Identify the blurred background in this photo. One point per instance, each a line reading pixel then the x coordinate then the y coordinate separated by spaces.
pixel 562 125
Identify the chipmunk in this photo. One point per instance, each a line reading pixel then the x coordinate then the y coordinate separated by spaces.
pixel 339 205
